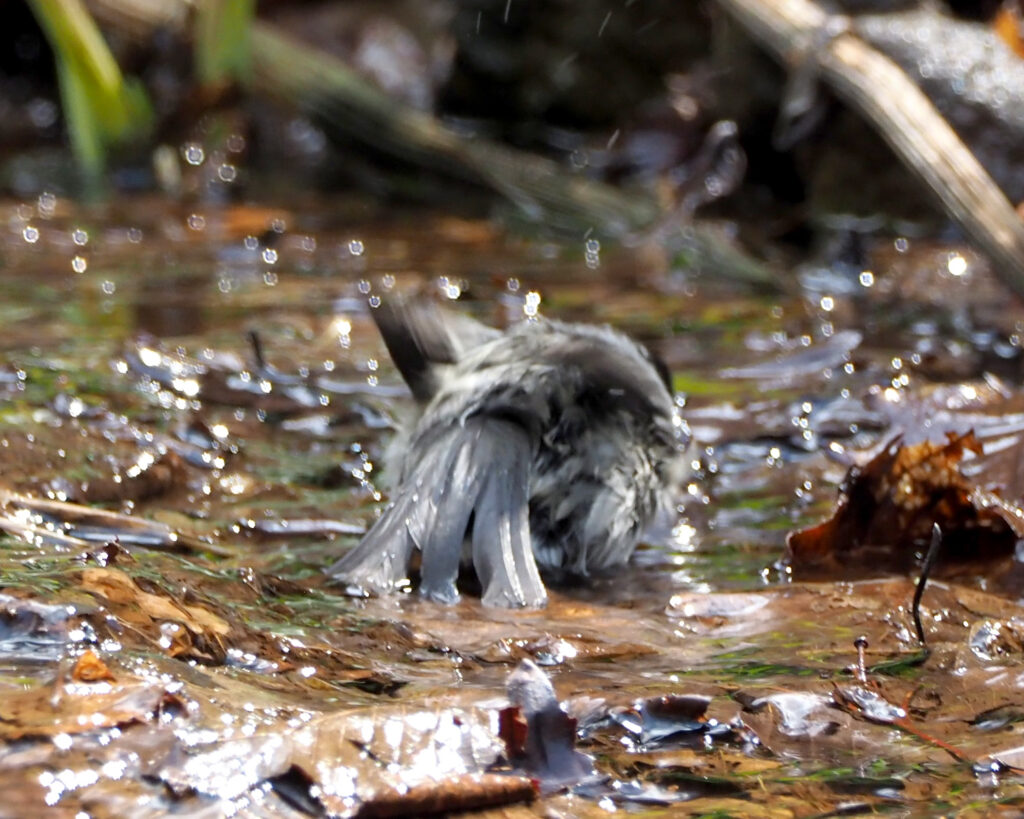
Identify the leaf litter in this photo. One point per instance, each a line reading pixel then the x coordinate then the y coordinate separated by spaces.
pixel 170 644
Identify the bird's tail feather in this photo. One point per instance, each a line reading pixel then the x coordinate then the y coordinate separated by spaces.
pixel 478 470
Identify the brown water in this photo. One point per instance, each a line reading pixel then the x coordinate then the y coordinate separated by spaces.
pixel 129 381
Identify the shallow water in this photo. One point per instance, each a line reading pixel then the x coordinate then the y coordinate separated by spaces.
pixel 129 379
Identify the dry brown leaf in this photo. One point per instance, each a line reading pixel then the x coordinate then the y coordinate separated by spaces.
pixel 90 668
pixel 120 589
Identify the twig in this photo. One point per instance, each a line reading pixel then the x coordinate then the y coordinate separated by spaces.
pixel 926 569
pixel 257 350
pixel 879 89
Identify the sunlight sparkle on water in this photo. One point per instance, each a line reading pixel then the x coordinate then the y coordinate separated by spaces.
pixel 682 537
pixel 956 265
pixel 451 289
pixel 531 304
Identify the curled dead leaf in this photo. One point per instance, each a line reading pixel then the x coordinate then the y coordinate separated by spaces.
pixel 887 507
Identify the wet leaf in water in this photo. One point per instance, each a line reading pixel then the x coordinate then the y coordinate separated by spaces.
pixel 71 707
pixel 669 720
pixel 31 632
pixel 833 352
pixel 539 735
pixel 869 704
pixel 396 761
pixel 132 603
pixel 887 508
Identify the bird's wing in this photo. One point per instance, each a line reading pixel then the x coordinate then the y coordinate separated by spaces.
pixel 476 471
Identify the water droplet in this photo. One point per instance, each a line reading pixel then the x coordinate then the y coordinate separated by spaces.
pixel 269 255
pixel 227 173
pixel 46 204
pixel 356 247
pixel 79 264
pixel 30 234
pixel 197 221
pixel 193 153
pixel 79 237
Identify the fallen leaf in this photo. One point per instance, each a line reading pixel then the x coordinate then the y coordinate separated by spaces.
pixel 887 508
pixel 120 589
pixel 539 735
pixel 76 708
pixel 387 761
pixel 90 668
pixel 31 631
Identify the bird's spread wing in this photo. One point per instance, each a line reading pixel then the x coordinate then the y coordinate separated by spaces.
pixel 469 476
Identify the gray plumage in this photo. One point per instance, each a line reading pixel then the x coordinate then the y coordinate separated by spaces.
pixel 551 444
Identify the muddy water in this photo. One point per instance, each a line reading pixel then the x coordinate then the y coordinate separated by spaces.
pixel 213 371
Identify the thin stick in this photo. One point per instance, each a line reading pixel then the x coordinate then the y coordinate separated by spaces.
pixel 905 118
pixel 257 350
pixel 926 569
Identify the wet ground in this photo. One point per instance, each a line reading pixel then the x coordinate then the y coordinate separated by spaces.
pixel 211 377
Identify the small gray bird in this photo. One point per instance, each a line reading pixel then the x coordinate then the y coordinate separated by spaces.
pixel 550 444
